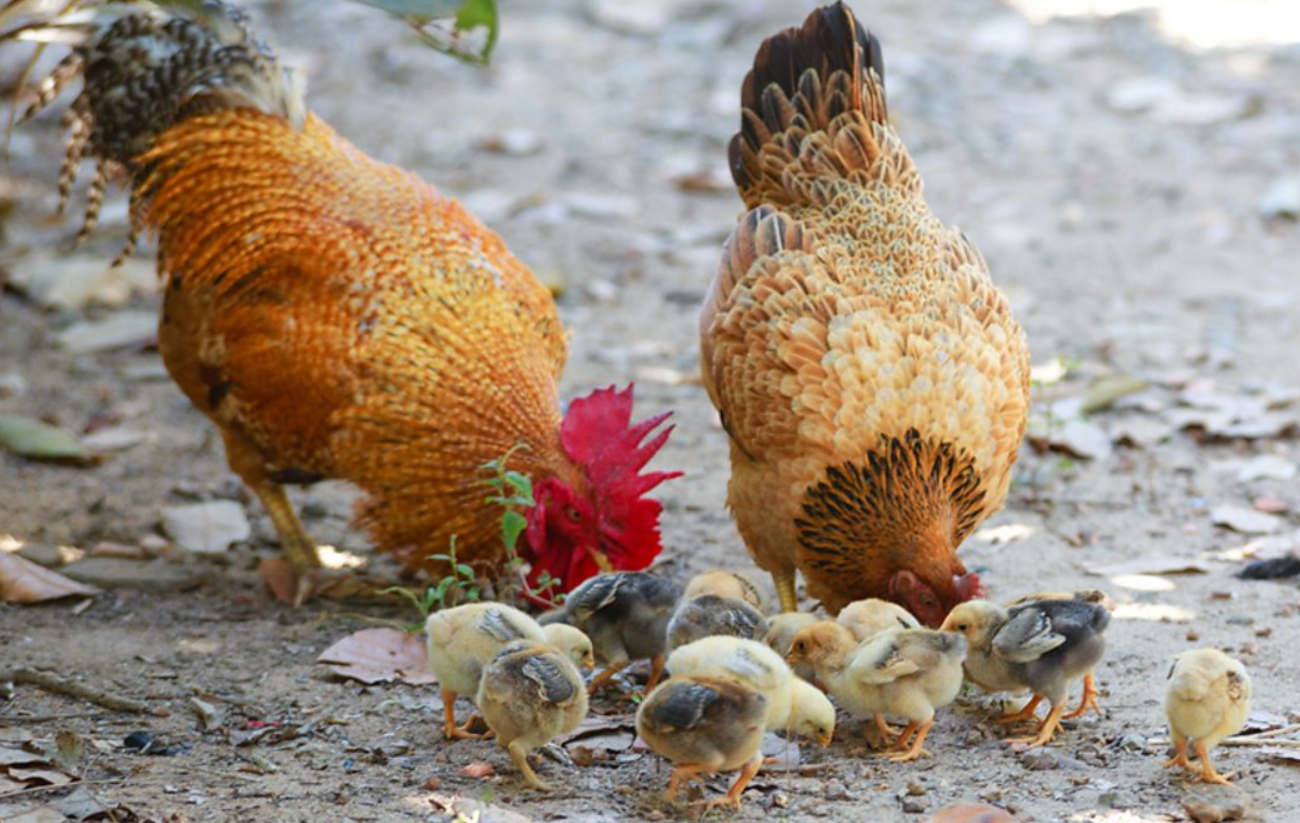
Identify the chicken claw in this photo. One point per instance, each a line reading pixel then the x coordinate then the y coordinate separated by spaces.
pixel 1089 700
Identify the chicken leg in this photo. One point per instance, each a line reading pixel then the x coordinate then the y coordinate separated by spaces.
pixel 1046 732
pixel 1208 774
pixel 912 752
pixel 1180 755
pixel 732 799
pixel 298 547
pixel 520 758
pixel 785 590
pixel 1027 713
pixel 449 729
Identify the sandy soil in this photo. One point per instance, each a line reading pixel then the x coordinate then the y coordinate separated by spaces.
pixel 1110 170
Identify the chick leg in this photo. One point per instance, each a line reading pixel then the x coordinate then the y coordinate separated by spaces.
pixel 520 756
pixel 1027 713
pixel 1046 732
pixel 785 590
pixel 598 682
pixel 1208 774
pixel 449 728
pixel 887 731
pixel 914 751
pixel 1180 754
pixel 656 669
pixel 1089 699
pixel 742 780
pixel 685 774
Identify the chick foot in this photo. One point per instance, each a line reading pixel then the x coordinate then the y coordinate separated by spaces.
pixel 1046 732
pixel 914 751
pixel 732 798
pixel 520 758
pixel 1207 773
pixel 1024 715
pixel 1088 701
pixel 450 730
pixel 1180 756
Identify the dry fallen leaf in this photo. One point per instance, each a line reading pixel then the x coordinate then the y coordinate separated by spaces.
pixel 973 813
pixel 481 771
pixel 1244 520
pixel 379 656
pixel 22 581
pixel 30 438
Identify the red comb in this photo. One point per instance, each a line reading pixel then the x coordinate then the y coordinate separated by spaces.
pixel 598 434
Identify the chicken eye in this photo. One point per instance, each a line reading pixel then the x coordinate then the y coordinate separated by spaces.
pixel 574 515
pixel 961 627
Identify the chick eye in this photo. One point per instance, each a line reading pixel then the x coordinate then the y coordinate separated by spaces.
pixel 961 627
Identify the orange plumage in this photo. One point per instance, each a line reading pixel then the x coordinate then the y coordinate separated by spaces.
pixel 338 317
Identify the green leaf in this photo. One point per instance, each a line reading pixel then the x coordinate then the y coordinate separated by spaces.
pixel 512 525
pixel 28 437
pixel 523 485
pixel 466 16
pixel 465 571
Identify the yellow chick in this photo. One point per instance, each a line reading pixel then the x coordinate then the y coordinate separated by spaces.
pixel 866 618
pixel 464 639
pixel 907 672
pixel 781 629
pixel 792 705
pixel 1208 699
pixel 573 643
pixel 1041 646
pixel 728 584
pixel 528 695
pixel 705 725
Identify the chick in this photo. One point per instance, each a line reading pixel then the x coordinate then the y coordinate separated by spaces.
pixel 626 616
pixel 528 695
pixel 781 629
pixel 1041 646
pixel 464 639
pixel 705 725
pixel 1089 699
pixel 729 584
pixel 709 615
pixel 792 704
pixel 906 672
pixel 1208 699
pixel 867 617
pixel 573 643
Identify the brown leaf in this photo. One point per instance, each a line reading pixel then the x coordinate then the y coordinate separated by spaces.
pixel 22 581
pixel 47 777
pixel 279 578
pixel 379 656
pixel 973 813
pixel 1270 505
pixel 478 770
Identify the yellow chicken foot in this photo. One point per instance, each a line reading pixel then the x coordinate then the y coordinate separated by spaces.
pixel 656 669
pixel 1046 732
pixel 449 729
pixel 785 590
pixel 1207 773
pixel 684 774
pixel 520 757
pixel 1027 713
pixel 887 731
pixel 599 681
pixel 914 751
pixel 1180 756
pixel 732 799
pixel 1088 700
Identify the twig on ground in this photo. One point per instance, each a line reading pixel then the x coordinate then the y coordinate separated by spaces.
pixel 62 685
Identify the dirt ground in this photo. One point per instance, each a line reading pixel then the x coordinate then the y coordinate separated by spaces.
pixel 1125 175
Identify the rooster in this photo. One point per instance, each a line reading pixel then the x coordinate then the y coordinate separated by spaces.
pixel 337 317
pixel 870 376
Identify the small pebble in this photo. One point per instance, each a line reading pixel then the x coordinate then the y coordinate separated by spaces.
pixel 1216 806
pixel 915 789
pixel 1193 635
pixel 913 805
pixel 835 790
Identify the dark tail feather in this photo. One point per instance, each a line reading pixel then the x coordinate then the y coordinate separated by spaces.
pixel 802 80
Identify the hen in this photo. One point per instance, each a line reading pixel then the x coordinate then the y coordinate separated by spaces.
pixel 870 375
pixel 337 317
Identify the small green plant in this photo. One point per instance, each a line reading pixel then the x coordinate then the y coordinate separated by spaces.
pixel 513 492
pixel 461 581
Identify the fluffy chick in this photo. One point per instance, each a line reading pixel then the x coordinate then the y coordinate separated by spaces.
pixel 866 618
pixel 723 583
pixel 1208 699
pixel 626 616
pixel 781 629
pixel 573 643
pixel 462 641
pixel 792 704
pixel 905 672
pixel 528 695
pixel 705 725
pixel 1089 698
pixel 709 615
pixel 1041 646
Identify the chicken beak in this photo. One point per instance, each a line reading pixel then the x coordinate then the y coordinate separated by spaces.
pixel 825 739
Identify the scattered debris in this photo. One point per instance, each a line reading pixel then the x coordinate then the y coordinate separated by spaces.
pixel 1150 564
pixel 1281 198
pixel 120 330
pixel 379 656
pixel 61 685
pixel 1244 520
pixel 28 437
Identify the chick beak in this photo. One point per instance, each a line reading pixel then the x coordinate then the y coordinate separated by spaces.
pixel 589 664
pixel 794 658
pixel 825 739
